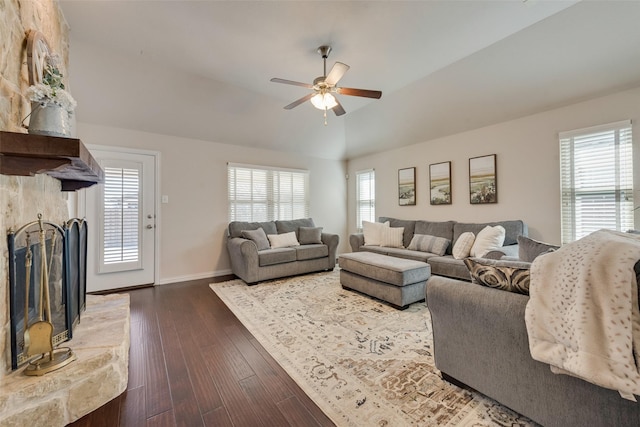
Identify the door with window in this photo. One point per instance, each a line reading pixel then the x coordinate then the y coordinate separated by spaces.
pixel 122 222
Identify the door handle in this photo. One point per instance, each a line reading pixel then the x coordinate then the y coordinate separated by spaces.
pixel 149 226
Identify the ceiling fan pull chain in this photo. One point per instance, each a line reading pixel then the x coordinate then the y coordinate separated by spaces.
pixel 325 116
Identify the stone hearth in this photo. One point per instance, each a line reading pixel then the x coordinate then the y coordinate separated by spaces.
pixel 100 373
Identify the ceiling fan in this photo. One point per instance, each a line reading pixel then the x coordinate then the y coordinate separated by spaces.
pixel 325 86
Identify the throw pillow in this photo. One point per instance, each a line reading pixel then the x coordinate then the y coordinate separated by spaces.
pixel 512 276
pixel 371 231
pixel 258 236
pixel 463 245
pixel 391 237
pixel 427 243
pixel 488 239
pixel 310 235
pixel 529 249
pixel 283 240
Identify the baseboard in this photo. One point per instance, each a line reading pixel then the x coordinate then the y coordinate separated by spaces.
pixel 189 277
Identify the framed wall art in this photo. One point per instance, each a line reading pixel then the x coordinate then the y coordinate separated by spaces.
pixel 483 180
pixel 407 186
pixel 440 183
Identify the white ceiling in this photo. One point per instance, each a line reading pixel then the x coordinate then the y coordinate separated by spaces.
pixel 201 69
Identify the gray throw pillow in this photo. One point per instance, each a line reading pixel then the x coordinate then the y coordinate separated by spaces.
pixel 431 244
pixel 529 249
pixel 512 276
pixel 309 235
pixel 258 236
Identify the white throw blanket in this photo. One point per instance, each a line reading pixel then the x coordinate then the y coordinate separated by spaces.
pixel 583 317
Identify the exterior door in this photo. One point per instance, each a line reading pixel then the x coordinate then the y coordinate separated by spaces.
pixel 122 221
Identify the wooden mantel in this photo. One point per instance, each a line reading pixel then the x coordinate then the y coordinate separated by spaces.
pixel 66 159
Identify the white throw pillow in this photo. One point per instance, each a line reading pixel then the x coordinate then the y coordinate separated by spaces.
pixel 488 239
pixel 391 237
pixel 463 245
pixel 283 240
pixel 371 231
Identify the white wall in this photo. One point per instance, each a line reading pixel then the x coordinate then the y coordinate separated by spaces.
pixel 527 164
pixel 193 174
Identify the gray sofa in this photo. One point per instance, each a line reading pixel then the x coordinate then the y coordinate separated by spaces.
pixel 441 265
pixel 480 340
pixel 253 265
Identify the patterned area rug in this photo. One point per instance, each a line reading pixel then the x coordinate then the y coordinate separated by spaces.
pixel 364 363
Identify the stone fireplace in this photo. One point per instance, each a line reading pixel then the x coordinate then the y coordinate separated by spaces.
pixel 31 185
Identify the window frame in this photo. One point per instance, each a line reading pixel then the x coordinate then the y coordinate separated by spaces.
pixel 584 194
pixel 371 200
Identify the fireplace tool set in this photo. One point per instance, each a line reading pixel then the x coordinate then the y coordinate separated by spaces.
pixel 39 337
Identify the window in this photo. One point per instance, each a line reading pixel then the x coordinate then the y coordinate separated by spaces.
pixel 258 193
pixel 366 197
pixel 596 170
pixel 120 225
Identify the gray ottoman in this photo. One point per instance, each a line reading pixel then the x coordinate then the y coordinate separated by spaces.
pixel 398 281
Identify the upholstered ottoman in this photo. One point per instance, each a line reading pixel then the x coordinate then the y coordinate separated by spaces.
pixel 398 281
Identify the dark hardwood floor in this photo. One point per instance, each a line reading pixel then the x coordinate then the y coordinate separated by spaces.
pixel 192 363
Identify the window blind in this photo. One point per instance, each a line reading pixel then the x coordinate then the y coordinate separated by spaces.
pixel 121 222
pixel 596 180
pixel 265 194
pixel 365 197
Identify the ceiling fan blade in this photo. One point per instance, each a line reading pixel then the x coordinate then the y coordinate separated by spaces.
pixel 336 73
pixel 299 101
pixel 291 82
pixel 359 92
pixel 338 109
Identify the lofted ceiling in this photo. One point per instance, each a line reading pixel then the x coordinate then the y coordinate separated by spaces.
pixel 201 69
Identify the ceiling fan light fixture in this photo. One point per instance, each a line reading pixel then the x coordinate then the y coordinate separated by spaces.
pixel 324 101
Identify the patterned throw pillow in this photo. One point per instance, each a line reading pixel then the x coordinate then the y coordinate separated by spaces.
pixel 427 243
pixel 391 237
pixel 258 236
pixel 463 245
pixel 283 240
pixel 512 276
pixel 310 235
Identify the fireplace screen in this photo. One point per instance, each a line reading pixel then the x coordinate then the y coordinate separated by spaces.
pixel 76 267
pixel 39 292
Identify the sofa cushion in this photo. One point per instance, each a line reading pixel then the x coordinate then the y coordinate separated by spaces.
pixel 236 227
pixel 391 237
pixel 512 276
pixel 408 254
pixel 276 256
pixel 287 226
pixel 489 238
pixel 463 245
pixel 529 249
pixel 428 243
pixel 310 235
pixel 283 240
pixel 311 251
pixel 258 237
pixel 408 226
pixel 377 249
pixel 513 229
pixel 448 266
pixel 371 231
pixel 439 229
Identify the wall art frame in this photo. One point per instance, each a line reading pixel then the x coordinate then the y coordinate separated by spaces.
pixel 483 180
pixel 440 183
pixel 407 186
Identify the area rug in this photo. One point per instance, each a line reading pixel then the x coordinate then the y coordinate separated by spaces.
pixel 361 361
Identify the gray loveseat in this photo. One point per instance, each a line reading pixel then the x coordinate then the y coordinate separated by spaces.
pixel 480 339
pixel 441 265
pixel 253 265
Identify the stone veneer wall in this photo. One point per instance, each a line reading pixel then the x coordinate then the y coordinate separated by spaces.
pixel 22 198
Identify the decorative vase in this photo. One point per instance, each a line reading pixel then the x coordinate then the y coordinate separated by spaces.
pixel 52 120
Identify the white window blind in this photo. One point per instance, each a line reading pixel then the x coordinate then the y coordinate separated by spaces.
pixel 120 239
pixel 366 197
pixel 259 193
pixel 596 180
